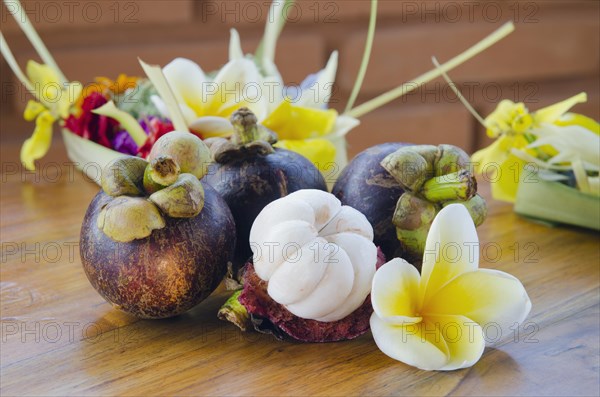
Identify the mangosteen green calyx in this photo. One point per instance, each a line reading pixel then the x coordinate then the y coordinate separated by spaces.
pixel 156 241
pixel 249 173
pixel 432 177
pixel 401 187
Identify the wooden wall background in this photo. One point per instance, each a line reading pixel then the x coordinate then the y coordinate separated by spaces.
pixel 553 54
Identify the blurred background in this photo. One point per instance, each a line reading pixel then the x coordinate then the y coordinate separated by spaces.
pixel 553 54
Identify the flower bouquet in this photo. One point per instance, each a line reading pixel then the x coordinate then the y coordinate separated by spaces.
pixel 546 162
pixel 298 115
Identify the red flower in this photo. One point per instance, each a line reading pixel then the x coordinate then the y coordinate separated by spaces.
pixel 99 129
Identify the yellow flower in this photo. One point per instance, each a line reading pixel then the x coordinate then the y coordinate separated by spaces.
pixel 118 86
pixel 301 129
pixel 508 117
pixel 518 142
pixel 297 122
pixel 588 123
pixel 107 87
pixel 319 151
pixel 437 320
pixel 54 102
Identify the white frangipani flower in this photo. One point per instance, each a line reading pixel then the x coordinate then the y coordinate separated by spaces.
pixel 437 320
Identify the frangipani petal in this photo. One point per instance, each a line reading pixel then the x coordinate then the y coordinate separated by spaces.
pixel 464 338
pixel 552 113
pixel 297 122
pixel 343 125
pixel 455 300
pixel 340 162
pixel 489 297
pixel 420 345
pixel 238 84
pixel 272 85
pixel 321 152
pixel 37 146
pixel 319 94
pixel 188 83
pixel 212 126
pixel 188 114
pixel 395 293
pixel 451 249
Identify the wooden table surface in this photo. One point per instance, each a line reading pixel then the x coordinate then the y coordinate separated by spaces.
pixel 59 337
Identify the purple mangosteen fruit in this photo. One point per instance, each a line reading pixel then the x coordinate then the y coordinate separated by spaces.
pixel 156 241
pixel 365 185
pixel 401 187
pixel 249 173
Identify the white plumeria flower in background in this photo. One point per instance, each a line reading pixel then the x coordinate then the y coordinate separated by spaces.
pixel 437 320
pixel 207 103
pixel 298 115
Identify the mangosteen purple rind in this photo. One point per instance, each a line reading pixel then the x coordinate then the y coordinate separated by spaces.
pixel 166 273
pixel 249 173
pixel 366 186
pixel 400 188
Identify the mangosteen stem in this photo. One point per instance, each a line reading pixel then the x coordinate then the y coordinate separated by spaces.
pixel 163 171
pixel 247 130
pixel 459 185
pixel 244 126
pixel 234 312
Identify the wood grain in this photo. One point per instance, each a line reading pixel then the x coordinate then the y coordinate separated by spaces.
pixel 60 338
